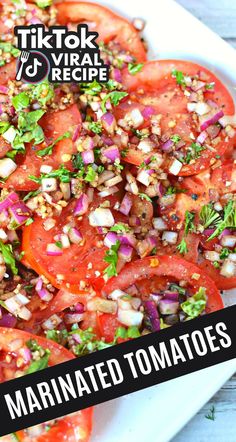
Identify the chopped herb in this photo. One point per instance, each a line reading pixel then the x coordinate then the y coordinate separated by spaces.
pixel 111 257
pixel 229 220
pixel 20 101
pixel 48 150
pixel 95 127
pixel 209 216
pixel 6 251
pixel 120 227
pixel 216 264
pixel 31 195
pixel 171 190
pixel 211 414
pixel 143 196
pixel 90 175
pixel 224 253
pixel 127 333
pixel 59 244
pixel 179 289
pixel 195 304
pixel 63 174
pixel 40 364
pixel 175 138
pixel 43 3
pixel 29 221
pixel 140 134
pixel 134 68
pixel 194 151
pixel 182 247
pixel 179 77
pixel 209 86
pixel 124 152
pixel 189 225
pixel 88 343
pixel 114 97
pixel 28 288
pixel 58 336
pixel 42 92
pixel 78 161
pixel 93 88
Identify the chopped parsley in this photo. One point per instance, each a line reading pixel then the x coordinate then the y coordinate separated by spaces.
pixel 120 227
pixel 127 333
pixel 29 221
pixel 143 196
pixel 175 138
pixel 63 174
pixel 208 216
pixel 195 304
pixel 31 195
pixel 90 175
pixel 224 253
pixel 48 150
pixel 134 68
pixel 182 247
pixel 88 343
pixel 229 220
pixel 59 244
pixel 193 153
pixel 114 97
pixel 179 77
pixel 41 363
pixel 7 253
pixel 111 257
pixel 20 101
pixel 43 3
pixel 93 88
pixel 189 224
pixel 95 127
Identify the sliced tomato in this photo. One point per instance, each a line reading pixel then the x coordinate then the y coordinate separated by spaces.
pixel 78 262
pixel 108 325
pixel 223 178
pixel 54 124
pixel 72 428
pixel 109 25
pixel 7 72
pixel 221 281
pixel 155 86
pixel 175 269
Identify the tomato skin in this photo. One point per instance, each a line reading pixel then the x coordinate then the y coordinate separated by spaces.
pixel 155 86
pixel 108 25
pixel 168 266
pixel 221 282
pixel 54 124
pixel 72 428
pixel 107 325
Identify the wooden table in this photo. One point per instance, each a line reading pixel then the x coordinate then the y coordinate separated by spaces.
pixel 220 16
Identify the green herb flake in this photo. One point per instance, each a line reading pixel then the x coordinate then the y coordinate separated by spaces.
pixel 143 196
pixel 29 221
pixel 211 414
pixel 179 77
pixel 90 175
pixel 6 251
pixel 228 221
pixel 189 222
pixel 43 3
pixel 48 150
pixel 208 216
pixel 114 97
pixel 134 68
pixel 20 101
pixel 111 257
pixel 195 304
pixel 182 247
pixel 95 127
pixel 120 227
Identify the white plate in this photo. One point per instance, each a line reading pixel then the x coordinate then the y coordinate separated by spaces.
pixel 158 413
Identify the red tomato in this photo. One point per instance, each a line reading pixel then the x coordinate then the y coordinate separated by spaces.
pixel 7 72
pixel 168 266
pixel 221 281
pixel 109 25
pixel 54 125
pixel 108 325
pixel 155 86
pixel 78 262
pixel 223 178
pixel 72 428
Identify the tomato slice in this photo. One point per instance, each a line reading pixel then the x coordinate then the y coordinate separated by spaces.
pixel 54 125
pixel 108 325
pixel 166 266
pixel 109 25
pixel 155 86
pixel 72 428
pixel 78 262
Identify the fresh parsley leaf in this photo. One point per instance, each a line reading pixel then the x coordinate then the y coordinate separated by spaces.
pixel 78 161
pixel 93 88
pixel 211 414
pixel 194 152
pixel 209 86
pixel 95 127
pixel 179 77
pixel 208 216
pixel 59 336
pixel 20 101
pixel 179 289
pixel 63 174
pixel 59 244
pixel 90 175
pixel 29 221
pixel 134 68
pixel 175 138
pixel 120 227
pixel 182 247
pixel 229 220
pixel 171 190
pixel 48 150
pixel 88 343
pixel 40 364
pixel 111 257
pixel 143 196
pixel 114 97
pixel 31 195
pixel 195 304
pixel 140 134
pixel 216 264
pixel 42 92
pixel 189 225
pixel 224 253
pixel 6 251
pixel 4 126
pixel 43 3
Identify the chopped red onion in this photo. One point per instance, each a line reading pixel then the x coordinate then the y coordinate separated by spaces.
pixel 88 156
pixel 39 284
pixel 9 201
pixel 45 295
pixel 20 212
pixel 3 89
pixel 108 122
pixel 214 119
pixel 35 21
pixel 167 146
pixel 88 143
pixel 153 315
pixel 117 75
pixel 208 232
pixel 73 318
pixel 224 233
pixel 173 296
pixel 8 320
pixel 213 131
pixel 112 153
pixel 134 221
pixel 125 252
pixel 82 205
pixel 126 204
pixel 148 111
pixel 127 239
pixel 79 308
pixel 201 137
pixel 53 250
pixel 168 307
pixel 199 85
pixel 110 239
pixel 75 236
pixel 76 133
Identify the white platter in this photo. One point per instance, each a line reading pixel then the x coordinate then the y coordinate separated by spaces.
pixel 158 413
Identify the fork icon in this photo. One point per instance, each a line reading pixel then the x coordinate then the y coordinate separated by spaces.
pixel 23 58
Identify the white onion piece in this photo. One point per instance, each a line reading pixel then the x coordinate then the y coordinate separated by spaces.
pixel 170 237
pixel 232 257
pixel 130 317
pixel 228 120
pixel 228 241
pixel 101 217
pixel 136 117
pixel 45 168
pixel 212 256
pixel 51 323
pixel 175 167
pixel 49 184
pixel 144 177
pixel 146 146
pixel 228 269
pixel 116 294
pixel 65 188
pixel 49 223
pixel 124 303
pixel 159 224
pixel 10 134
pixel 102 305
pixel 7 167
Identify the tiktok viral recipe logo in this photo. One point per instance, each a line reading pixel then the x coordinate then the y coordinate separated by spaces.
pixel 61 55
